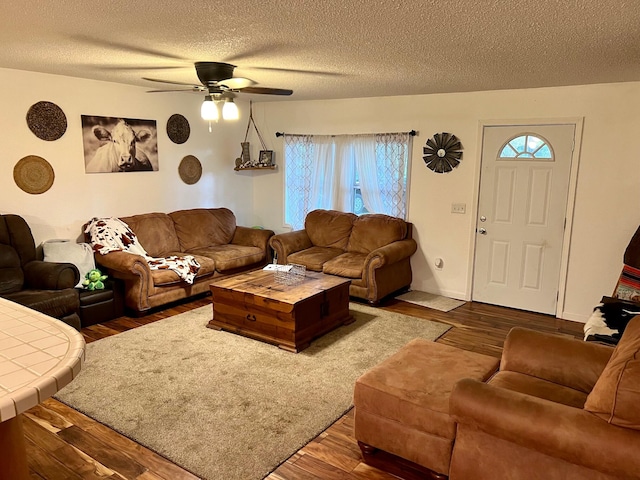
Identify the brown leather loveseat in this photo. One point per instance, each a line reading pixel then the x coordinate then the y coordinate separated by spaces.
pixel 209 234
pixel 47 287
pixel 373 250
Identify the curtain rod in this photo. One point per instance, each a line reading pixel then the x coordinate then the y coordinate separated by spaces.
pixel 413 133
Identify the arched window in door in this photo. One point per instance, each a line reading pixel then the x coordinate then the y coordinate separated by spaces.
pixel 526 147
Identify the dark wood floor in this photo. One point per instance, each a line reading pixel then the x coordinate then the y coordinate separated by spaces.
pixel 65 444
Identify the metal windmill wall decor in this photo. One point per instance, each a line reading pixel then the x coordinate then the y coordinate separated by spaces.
pixel 442 152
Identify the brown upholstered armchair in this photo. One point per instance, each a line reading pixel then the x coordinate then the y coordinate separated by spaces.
pixel 557 408
pixel 43 286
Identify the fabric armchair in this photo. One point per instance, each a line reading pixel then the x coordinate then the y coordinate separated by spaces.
pixel 507 434
pixel 550 411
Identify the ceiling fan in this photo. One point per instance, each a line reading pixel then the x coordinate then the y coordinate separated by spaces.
pixel 219 84
pixel 217 79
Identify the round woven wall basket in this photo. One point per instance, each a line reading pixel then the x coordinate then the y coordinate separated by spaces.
pixel 33 174
pixel 190 170
pixel 178 128
pixel 47 121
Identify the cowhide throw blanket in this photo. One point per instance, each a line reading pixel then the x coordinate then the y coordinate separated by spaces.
pixel 610 318
pixel 112 234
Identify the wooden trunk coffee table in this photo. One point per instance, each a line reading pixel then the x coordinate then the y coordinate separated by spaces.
pixel 290 316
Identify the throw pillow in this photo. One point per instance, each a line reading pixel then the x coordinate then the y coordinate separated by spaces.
pixel 66 251
pixel 616 395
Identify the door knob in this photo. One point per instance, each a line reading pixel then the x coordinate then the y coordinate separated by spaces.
pixel 482 231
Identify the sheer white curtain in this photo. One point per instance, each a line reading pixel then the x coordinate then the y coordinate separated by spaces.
pixel 323 172
pixel 320 172
pixel 364 154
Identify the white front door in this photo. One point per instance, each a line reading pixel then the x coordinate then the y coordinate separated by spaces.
pixel 524 184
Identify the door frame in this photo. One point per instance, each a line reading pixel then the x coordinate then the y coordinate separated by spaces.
pixel 578 122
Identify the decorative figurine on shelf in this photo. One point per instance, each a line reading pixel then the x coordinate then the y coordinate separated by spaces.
pixel 94 280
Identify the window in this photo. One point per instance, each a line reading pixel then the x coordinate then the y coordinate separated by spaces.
pixel 357 173
pixel 527 147
pixel 358 203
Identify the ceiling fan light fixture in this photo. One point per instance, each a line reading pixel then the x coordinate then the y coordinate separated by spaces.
pixel 230 110
pixel 209 110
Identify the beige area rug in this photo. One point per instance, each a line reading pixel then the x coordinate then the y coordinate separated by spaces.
pixel 228 407
pixel 437 302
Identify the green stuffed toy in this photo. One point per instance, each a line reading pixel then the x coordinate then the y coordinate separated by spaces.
pixel 94 280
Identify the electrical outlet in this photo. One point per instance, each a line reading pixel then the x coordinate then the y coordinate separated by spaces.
pixel 458 208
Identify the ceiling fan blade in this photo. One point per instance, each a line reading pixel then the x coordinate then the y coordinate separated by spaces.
pixel 125 68
pixel 267 91
pixel 123 46
pixel 296 71
pixel 197 90
pixel 261 51
pixel 237 83
pixel 169 81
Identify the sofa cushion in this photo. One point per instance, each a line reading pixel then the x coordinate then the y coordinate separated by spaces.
pixel 11 274
pixel 164 277
pixel 349 265
pixel 537 387
pixel 231 256
pixel 155 232
pixel 373 231
pixel 329 228
pixel 202 227
pixel 314 258
pixel 616 395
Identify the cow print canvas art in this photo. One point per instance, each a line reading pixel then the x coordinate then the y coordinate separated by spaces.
pixel 113 144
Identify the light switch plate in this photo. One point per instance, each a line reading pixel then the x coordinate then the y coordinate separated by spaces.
pixel 458 208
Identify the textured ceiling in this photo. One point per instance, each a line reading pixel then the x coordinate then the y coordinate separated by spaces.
pixel 331 48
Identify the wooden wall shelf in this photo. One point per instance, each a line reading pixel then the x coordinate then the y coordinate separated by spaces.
pixel 238 169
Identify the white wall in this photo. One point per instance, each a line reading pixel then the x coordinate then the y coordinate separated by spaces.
pixel 76 197
pixel 607 201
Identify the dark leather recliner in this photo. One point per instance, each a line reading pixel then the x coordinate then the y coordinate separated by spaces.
pixel 43 286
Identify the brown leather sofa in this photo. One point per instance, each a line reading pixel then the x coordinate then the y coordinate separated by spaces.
pixel 209 234
pixel 47 287
pixel 372 250
pixel 557 408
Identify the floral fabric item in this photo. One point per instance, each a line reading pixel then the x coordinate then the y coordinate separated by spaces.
pixel 112 235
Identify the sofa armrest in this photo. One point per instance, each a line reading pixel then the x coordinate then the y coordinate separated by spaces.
pixel 565 361
pixel 124 263
pixel 554 429
pixel 135 271
pixel 252 237
pixel 41 275
pixel 391 253
pixel 284 244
